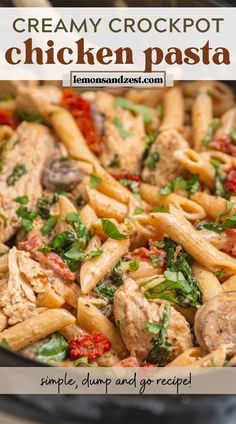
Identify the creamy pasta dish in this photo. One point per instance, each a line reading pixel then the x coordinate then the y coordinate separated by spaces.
pixel 118 225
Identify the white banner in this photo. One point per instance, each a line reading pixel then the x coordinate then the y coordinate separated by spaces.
pixel 138 381
pixel 49 44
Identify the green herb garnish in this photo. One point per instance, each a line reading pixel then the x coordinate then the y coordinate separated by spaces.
pixel 160 351
pixel 180 183
pixel 111 230
pixel 3 218
pixel 152 160
pixel 94 181
pixel 49 225
pixel 120 128
pixel 27 217
pixel 18 171
pixel 34 117
pixel 134 265
pixel 135 108
pixel 23 200
pixel 210 130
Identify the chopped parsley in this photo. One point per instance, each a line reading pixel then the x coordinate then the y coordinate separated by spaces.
pixel 94 253
pixel 94 181
pixel 210 130
pixel 133 186
pixel 111 230
pixel 34 117
pixel 18 171
pixel 160 351
pixel 161 208
pixel 27 217
pixel 23 200
pixel 191 186
pixel 232 135
pixel 3 218
pixel 120 128
pixel 155 261
pixel 49 225
pixel 160 111
pixel 115 162
pixel 219 179
pixel 117 275
pixel 138 211
pixel 225 212
pixel 45 204
pixel 134 265
pixel 152 160
pixel 125 104
pixel 5 343
pixel 220 273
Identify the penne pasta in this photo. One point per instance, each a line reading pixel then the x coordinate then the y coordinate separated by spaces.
pixel 207 282
pixel 94 270
pixel 36 328
pixel 196 164
pixel 174 109
pixel 202 116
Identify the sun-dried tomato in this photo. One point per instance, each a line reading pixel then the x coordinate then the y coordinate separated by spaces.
pixel 127 176
pixel 81 109
pixel 224 143
pixel 230 183
pixel 7 118
pixel 50 259
pixel 87 346
pixel 130 362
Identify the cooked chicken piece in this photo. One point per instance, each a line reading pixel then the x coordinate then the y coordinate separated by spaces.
pixel 215 323
pixel 124 139
pixel 167 167
pixel 11 88
pixel 133 311
pixel 37 99
pixel 18 299
pixel 23 161
pixel 104 103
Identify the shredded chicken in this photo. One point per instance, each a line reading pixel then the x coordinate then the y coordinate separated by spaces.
pixel 167 168
pixel 21 152
pixel 128 149
pixel 132 312
pixel 18 300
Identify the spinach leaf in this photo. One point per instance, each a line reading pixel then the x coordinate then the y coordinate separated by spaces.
pixel 105 292
pixel 45 204
pixel 160 351
pixel 54 350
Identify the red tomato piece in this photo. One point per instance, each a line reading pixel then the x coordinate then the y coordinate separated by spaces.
pixel 224 143
pixel 81 110
pixel 87 346
pixel 230 183
pixel 7 118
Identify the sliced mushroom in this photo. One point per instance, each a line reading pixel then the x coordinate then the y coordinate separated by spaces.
pixel 215 323
pixel 63 174
pixel 98 119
